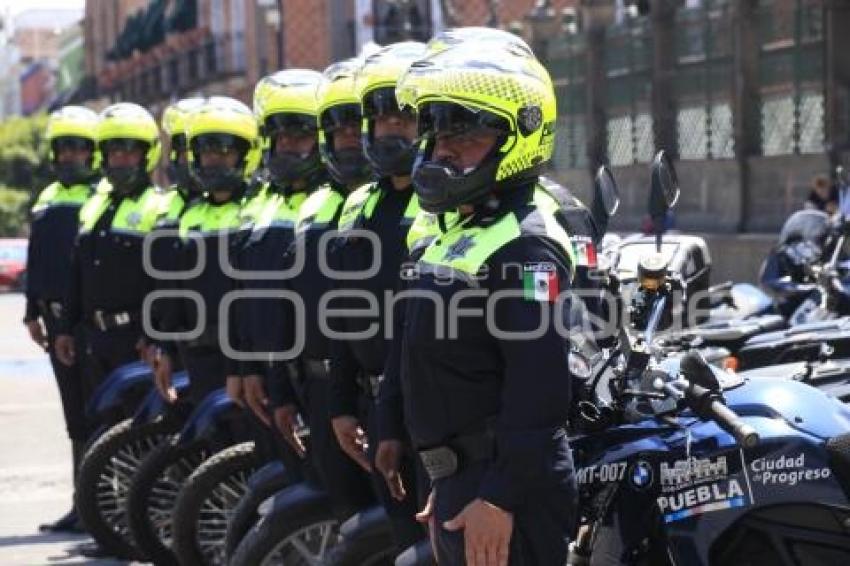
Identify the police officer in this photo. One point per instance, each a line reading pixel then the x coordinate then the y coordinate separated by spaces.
pixel 74 159
pixel 224 151
pixel 385 209
pixel 484 371
pixel 300 390
pixel 108 280
pixel 286 107
pixel 182 190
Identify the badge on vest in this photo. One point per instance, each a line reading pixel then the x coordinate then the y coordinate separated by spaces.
pixel 540 281
pixel 134 219
pixel 459 249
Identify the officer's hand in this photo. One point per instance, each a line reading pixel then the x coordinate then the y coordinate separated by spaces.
pixel 162 370
pixel 36 331
pixel 426 517
pixel 148 354
pixel 256 398
pixel 388 462
pixel 235 391
pixel 65 351
pixel 142 348
pixel 486 532
pixel 286 421
pixel 352 440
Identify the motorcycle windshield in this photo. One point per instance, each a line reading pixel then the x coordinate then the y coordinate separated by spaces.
pixel 809 225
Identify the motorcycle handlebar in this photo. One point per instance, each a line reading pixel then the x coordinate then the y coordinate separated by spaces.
pixel 708 405
pixel 744 434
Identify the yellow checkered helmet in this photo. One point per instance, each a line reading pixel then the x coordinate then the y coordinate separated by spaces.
pixel 376 83
pixel 223 125
pixel 73 127
pixel 286 101
pixel 493 36
pixel 128 127
pixel 461 93
pixel 339 108
pixel 174 125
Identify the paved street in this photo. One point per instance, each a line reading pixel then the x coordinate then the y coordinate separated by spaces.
pixel 35 454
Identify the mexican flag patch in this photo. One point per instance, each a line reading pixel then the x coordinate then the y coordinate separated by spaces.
pixel 585 251
pixel 540 281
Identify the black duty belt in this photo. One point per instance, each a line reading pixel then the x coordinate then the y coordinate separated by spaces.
pixel 445 461
pixel 317 368
pixel 104 321
pixel 50 308
pixel 370 383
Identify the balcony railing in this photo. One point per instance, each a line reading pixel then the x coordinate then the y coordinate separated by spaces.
pixel 175 69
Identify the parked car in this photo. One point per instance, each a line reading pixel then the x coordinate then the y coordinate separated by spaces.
pixel 13 263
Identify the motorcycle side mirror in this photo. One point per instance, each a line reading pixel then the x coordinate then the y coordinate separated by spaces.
pixel 663 194
pixel 694 367
pixel 606 199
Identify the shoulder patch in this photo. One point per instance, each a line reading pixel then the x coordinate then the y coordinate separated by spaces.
pixel 540 281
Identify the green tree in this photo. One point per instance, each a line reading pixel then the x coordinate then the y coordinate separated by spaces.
pixel 23 169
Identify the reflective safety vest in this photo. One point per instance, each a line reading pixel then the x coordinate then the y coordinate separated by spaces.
pixel 361 204
pixel 319 210
pixel 207 219
pixel 279 211
pixel 135 216
pixel 463 249
pixel 57 195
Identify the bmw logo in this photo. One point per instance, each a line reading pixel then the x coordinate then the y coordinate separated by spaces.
pixel 640 475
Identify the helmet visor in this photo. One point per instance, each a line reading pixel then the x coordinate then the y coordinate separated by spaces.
pixel 72 143
pixel 341 116
pixel 445 119
pixel 290 123
pixel 222 144
pixel 123 144
pixel 381 101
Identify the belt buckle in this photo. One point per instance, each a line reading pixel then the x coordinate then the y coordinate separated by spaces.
pixel 56 309
pixel 440 462
pixel 122 318
pixel 99 320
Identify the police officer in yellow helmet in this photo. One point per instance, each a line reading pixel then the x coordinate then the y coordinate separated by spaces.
pixel 108 281
pixel 224 152
pixel 285 106
pixel 339 124
pixel 486 408
pixel 385 208
pixel 74 161
pixel 174 125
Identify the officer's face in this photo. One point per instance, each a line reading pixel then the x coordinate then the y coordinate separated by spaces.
pixel 464 150
pixel 76 155
pixel 183 156
pixel 395 124
pixel 346 136
pixel 219 157
pixel 294 141
pixel 124 157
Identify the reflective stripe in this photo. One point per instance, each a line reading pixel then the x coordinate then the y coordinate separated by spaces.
pixel 58 195
pixel 208 219
pixel 362 203
pixel 359 204
pixel 319 209
pixel 280 211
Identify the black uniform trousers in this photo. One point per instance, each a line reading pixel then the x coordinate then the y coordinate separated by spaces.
pixel 68 378
pixel 347 483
